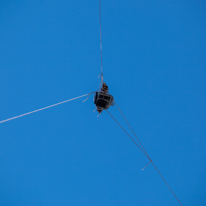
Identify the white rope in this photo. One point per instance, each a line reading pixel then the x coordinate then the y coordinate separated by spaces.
pixel 6 120
pixel 87 97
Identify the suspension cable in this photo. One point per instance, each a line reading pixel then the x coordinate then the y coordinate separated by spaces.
pixel 126 133
pixel 6 120
pixel 101 42
pixel 144 152
pixel 132 130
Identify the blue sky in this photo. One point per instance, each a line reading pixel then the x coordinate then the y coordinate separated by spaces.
pixel 154 64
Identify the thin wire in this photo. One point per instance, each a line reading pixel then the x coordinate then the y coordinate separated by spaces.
pixel 6 120
pixel 146 165
pixel 101 41
pixel 166 183
pixel 132 130
pixel 144 152
pixel 126 133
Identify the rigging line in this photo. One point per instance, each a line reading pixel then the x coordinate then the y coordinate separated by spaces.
pixel 127 133
pixel 132 131
pixel 100 41
pixel 144 152
pixel 166 183
pixel 6 120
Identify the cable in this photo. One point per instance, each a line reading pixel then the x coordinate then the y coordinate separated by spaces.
pixel 144 152
pixel 166 183
pixel 126 133
pixel 101 41
pixel 6 120
pixel 132 130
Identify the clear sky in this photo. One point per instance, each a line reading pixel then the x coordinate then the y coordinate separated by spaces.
pixel 154 64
